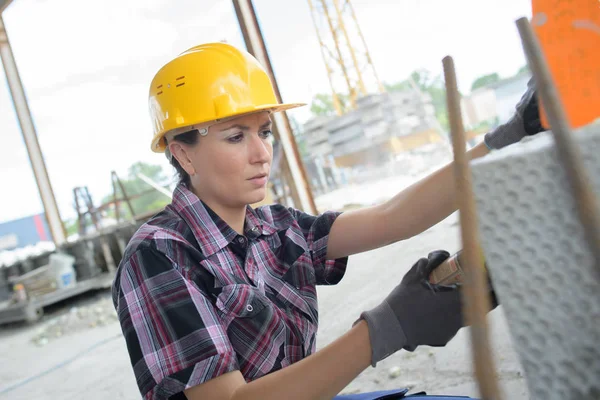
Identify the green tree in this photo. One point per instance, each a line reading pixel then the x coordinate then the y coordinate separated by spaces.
pixel 299 136
pixel 322 104
pixel 485 80
pixel 71 226
pixel 398 86
pixel 432 85
pixel 523 70
pixel 149 199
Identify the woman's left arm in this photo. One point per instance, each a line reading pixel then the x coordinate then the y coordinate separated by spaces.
pixel 428 201
pixel 410 212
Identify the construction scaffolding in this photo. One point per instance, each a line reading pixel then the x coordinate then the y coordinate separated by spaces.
pixel 344 50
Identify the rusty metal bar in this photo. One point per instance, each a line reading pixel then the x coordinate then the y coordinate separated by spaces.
pixel 476 299
pixel 4 4
pixel 256 46
pixel 127 198
pixel 36 158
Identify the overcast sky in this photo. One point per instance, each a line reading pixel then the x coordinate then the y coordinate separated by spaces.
pixel 86 67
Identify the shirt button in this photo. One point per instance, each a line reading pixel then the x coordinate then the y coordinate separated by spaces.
pixel 241 240
pixel 254 229
pixel 249 308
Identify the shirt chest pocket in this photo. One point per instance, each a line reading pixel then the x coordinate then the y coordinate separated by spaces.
pixel 290 278
pixel 241 301
pixel 291 262
pixel 246 312
pixel 253 326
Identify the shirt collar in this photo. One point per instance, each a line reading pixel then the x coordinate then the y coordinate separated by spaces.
pixel 211 232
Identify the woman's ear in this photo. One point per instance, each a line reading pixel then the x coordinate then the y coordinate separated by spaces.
pixel 181 154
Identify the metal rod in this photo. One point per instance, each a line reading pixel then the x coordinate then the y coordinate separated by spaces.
pixel 336 100
pixel 256 46
pixel 116 201
pixel 364 42
pixel 4 4
pixel 155 185
pixel 342 26
pixel 36 158
pixel 250 45
pixel 80 215
pixel 334 33
pixel 124 193
pixel 568 152
pixel 476 300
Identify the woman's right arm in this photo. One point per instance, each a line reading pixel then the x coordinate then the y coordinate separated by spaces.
pixel 320 376
pixel 177 342
pixel 414 313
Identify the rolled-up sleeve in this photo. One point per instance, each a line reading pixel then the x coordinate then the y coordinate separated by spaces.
pixel 316 232
pixel 173 332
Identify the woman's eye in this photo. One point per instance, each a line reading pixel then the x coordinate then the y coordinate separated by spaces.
pixel 266 134
pixel 236 138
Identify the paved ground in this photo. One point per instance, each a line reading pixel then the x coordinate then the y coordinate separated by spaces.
pixel 93 362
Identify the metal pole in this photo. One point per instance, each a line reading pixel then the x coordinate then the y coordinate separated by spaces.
pixel 36 157
pixel 351 90
pixel 155 185
pixel 256 46
pixel 476 300
pixel 336 100
pixel 342 26
pixel 362 38
pixel 124 193
pixel 4 4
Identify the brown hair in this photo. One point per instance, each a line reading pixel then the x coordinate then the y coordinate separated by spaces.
pixel 190 138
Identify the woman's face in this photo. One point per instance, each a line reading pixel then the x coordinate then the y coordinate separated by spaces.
pixel 230 166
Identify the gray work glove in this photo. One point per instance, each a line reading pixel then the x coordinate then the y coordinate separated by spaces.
pixel 525 122
pixel 415 313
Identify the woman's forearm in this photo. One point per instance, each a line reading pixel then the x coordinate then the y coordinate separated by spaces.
pixel 425 203
pixel 412 211
pixel 320 376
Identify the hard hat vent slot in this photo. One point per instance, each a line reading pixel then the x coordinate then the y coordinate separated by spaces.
pixel 180 78
pixel 159 86
pixel 159 93
pixel 180 84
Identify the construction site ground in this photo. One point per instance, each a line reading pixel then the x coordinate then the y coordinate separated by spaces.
pixel 89 357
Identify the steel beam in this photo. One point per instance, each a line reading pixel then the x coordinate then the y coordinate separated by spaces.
pixel 256 46
pixel 36 157
pixel 4 4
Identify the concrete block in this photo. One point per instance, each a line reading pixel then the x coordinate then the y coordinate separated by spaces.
pixel 540 265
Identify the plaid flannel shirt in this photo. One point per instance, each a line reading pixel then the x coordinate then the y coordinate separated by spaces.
pixel 196 300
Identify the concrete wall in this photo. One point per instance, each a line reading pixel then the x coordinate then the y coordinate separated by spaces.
pixel 494 101
pixel 480 106
pixel 362 134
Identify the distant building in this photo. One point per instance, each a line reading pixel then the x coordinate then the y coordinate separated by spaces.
pixel 508 94
pixel 495 103
pixel 381 126
pixel 24 232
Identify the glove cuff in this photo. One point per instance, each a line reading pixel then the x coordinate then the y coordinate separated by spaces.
pixel 505 134
pixel 385 332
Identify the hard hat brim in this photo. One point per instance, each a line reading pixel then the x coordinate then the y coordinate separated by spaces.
pixel 158 143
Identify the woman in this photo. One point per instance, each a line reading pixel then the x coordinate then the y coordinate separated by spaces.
pixel 217 300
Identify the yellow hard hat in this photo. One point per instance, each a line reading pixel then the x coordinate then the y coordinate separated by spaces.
pixel 208 83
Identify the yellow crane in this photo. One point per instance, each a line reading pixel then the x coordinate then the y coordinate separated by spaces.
pixel 347 59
